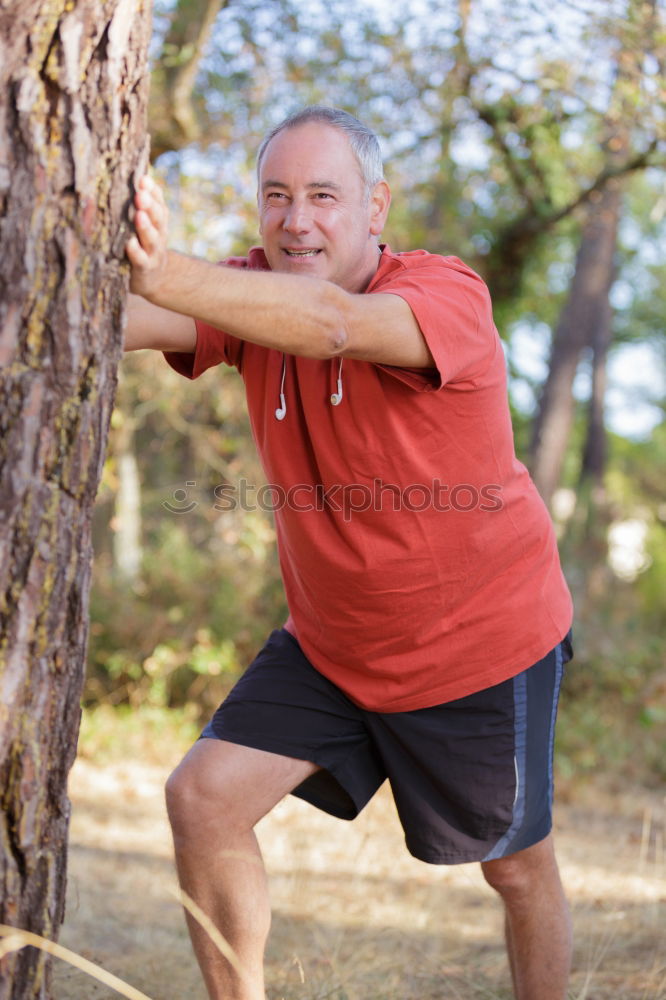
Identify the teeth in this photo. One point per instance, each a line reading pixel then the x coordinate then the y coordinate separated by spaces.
pixel 302 253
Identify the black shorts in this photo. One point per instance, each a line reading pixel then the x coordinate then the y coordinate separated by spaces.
pixel 472 779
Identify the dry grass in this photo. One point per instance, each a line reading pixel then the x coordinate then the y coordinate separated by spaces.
pixel 355 918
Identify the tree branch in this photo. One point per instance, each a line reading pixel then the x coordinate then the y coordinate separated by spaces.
pixel 174 121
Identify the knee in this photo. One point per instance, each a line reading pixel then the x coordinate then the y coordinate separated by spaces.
pixel 192 804
pixel 180 799
pixel 522 874
pixel 518 875
pixel 201 804
pixel 508 876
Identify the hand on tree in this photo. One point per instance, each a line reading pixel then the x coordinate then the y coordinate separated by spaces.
pixel 147 250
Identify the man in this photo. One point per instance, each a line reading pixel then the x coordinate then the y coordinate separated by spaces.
pixel 428 613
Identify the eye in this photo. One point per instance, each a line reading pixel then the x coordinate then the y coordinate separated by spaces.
pixel 275 196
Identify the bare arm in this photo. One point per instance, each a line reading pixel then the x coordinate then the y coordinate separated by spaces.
pixel 149 325
pixel 299 315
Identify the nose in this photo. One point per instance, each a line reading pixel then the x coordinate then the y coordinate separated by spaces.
pixel 297 218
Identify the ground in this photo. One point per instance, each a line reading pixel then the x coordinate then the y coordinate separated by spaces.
pixel 355 918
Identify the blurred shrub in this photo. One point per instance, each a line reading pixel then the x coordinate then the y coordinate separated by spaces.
pixel 185 631
pixel 613 706
pixel 152 735
pixel 207 590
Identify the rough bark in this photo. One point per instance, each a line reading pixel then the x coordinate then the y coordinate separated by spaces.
pixel 72 139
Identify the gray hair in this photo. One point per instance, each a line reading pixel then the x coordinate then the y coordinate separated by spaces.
pixel 363 141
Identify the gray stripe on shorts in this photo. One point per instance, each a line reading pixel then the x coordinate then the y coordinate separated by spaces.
pixel 559 671
pixel 519 761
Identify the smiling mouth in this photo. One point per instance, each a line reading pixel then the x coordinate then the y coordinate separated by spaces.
pixel 301 253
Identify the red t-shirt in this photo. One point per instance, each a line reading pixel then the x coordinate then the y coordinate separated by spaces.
pixel 419 562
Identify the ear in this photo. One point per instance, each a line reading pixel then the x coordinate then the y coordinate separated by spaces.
pixel 380 199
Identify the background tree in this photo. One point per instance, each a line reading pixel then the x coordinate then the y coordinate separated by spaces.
pixel 586 321
pixel 72 139
pixel 175 120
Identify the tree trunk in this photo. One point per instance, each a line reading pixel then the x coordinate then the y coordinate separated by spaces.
pixel 72 140
pixel 587 530
pixel 586 319
pixel 126 521
pixel 593 463
pixel 586 304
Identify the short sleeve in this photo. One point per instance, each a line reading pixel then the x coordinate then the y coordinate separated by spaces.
pixel 214 347
pixel 452 306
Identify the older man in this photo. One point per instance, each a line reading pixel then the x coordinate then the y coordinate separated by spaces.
pixel 429 618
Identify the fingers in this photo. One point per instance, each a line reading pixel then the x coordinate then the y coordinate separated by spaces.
pixel 151 214
pixel 147 248
pixel 150 198
pixel 149 233
pixel 137 255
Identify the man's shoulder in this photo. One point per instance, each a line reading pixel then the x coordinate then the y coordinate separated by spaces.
pixel 422 262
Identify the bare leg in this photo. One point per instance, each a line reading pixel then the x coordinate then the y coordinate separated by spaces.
pixel 214 798
pixel 538 925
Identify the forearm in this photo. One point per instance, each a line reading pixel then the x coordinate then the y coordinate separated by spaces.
pixel 137 323
pixel 150 326
pixel 298 315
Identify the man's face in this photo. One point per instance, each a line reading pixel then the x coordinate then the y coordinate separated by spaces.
pixel 315 215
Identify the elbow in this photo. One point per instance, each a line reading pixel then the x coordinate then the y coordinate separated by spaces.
pixel 333 327
pixel 336 341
